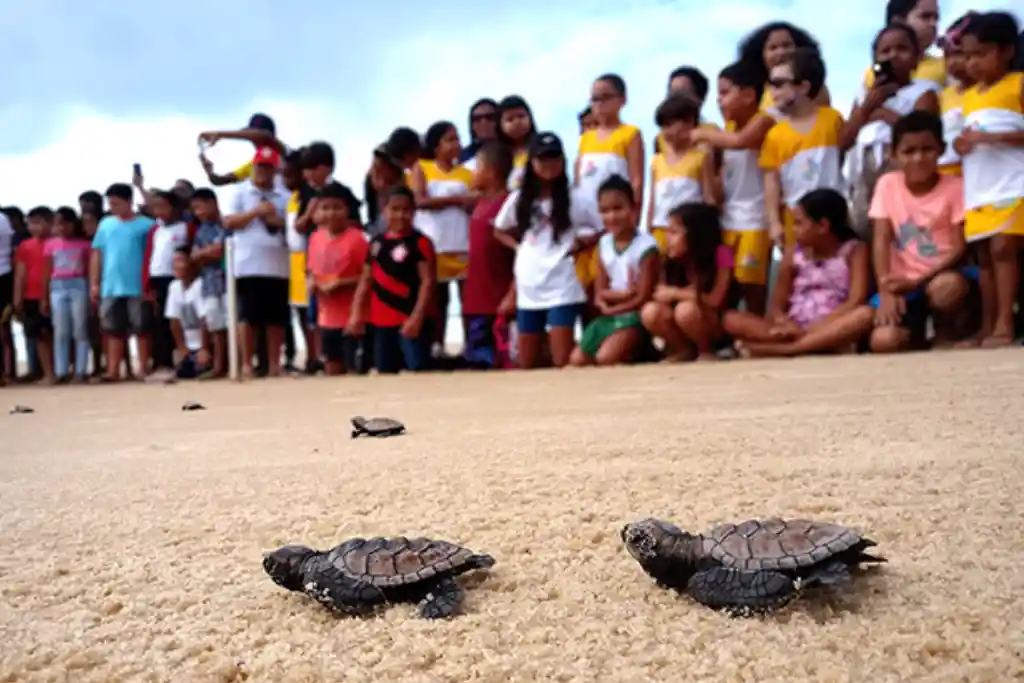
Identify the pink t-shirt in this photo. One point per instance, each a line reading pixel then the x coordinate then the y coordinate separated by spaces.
pixel 70 257
pixel 923 227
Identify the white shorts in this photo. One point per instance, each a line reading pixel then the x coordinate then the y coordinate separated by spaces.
pixel 215 313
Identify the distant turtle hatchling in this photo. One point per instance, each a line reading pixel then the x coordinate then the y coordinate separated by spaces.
pixel 376 426
pixel 192 405
pixel 754 567
pixel 22 410
pixel 360 575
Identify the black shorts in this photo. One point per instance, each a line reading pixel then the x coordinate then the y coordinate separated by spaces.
pixel 121 315
pixel 263 301
pixel 6 292
pixel 352 352
pixel 33 322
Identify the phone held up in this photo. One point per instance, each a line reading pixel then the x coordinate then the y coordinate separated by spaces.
pixel 883 71
pixel 136 170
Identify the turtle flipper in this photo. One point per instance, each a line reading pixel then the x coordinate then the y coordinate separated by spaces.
pixel 742 592
pixel 442 599
pixel 340 593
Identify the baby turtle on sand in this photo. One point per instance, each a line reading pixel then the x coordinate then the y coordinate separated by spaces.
pixel 376 426
pixel 358 576
pixel 22 410
pixel 192 405
pixel 749 568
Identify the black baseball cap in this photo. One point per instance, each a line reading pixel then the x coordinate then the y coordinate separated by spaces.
pixel 262 122
pixel 546 144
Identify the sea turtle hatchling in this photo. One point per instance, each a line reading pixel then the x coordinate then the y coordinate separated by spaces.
pixel 376 426
pixel 753 567
pixel 360 575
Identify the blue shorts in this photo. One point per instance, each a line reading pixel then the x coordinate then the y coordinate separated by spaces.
pixel 311 311
pixel 918 295
pixel 537 321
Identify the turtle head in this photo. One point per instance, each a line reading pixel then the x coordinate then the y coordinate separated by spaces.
pixel 660 548
pixel 285 565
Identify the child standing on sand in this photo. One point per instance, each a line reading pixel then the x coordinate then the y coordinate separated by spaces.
pixel 627 271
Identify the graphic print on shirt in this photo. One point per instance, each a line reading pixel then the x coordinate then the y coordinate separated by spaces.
pixel 912 236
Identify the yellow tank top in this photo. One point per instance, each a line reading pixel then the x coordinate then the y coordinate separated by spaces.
pixel 447 228
pixel 675 183
pixel 601 158
pixel 805 161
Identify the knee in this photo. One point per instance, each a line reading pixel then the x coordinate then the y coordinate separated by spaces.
pixel 888 339
pixel 653 315
pixel 578 359
pixel 687 314
pixel 946 291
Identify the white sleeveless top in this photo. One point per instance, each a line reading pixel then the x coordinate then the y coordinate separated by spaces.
pixel 994 174
pixel 623 267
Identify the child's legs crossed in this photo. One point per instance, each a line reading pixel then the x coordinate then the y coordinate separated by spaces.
pixel 746 326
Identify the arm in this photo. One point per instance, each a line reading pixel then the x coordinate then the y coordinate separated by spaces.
pixel 950 259
pixel 779 304
pixel 870 109
pixel 929 101
pixel 341 283
pixel 428 279
pixel 95 269
pixel 773 203
pixel 716 298
pixel 601 290
pixel 19 286
pixel 47 276
pixel 238 221
pixel 359 301
pixel 711 184
pixel 576 172
pixel 650 206
pixel 256 136
pixel 419 189
pixel 644 289
pixel 751 137
pixel 274 221
pixel 635 162
pixel 208 255
pixel 881 248
pixel 505 238
pixel 179 337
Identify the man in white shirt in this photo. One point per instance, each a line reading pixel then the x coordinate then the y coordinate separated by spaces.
pixel 256 223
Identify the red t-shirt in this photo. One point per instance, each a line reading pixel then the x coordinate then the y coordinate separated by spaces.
pixel 489 274
pixel 394 263
pixel 32 255
pixel 332 257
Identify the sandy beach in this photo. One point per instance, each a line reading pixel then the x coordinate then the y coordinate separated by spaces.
pixel 132 531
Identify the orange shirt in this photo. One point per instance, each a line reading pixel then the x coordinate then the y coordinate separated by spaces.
pixel 334 257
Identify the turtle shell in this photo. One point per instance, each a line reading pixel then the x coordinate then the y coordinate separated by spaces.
pixel 378 424
pixel 398 561
pixel 777 543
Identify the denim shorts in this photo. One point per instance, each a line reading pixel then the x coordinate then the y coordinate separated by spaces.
pixel 537 321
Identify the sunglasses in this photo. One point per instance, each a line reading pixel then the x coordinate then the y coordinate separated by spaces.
pixel 597 99
pixel 781 82
pixel 490 116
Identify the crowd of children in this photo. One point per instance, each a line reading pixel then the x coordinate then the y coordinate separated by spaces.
pixel 898 226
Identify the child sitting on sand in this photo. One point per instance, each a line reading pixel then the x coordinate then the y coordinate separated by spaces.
pixel 818 302
pixel 627 272
pixel 696 284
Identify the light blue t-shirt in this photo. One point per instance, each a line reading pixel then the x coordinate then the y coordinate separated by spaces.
pixel 123 245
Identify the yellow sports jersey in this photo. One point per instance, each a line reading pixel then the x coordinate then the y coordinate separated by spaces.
pixel 659 141
pixel 515 178
pixel 601 158
pixel 804 161
pixel 675 182
pixel 447 228
pixel 928 69
pixel 298 295
pixel 994 174
pixel 243 172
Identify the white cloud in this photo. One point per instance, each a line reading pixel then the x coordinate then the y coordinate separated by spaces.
pixel 425 79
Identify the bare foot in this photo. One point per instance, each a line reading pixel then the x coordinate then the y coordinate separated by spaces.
pixel 971 342
pixel 767 350
pixel 707 357
pixel 676 357
pixel 996 341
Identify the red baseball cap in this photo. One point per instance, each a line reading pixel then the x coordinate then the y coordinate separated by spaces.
pixel 268 156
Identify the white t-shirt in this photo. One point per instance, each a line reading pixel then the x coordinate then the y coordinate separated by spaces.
pixel 186 306
pixel 545 272
pixel 257 251
pixel 623 267
pixel 6 250
pixel 166 240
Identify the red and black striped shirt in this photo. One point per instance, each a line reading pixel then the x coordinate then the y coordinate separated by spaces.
pixel 394 271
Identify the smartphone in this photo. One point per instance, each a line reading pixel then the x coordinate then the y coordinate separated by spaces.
pixel 136 170
pixel 883 71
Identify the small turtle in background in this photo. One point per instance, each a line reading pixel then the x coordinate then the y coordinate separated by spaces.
pixel 360 575
pixel 754 567
pixel 376 426
pixel 192 405
pixel 22 410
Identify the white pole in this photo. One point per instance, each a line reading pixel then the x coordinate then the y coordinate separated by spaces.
pixel 232 312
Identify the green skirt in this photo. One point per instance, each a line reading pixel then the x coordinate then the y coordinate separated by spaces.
pixel 600 329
